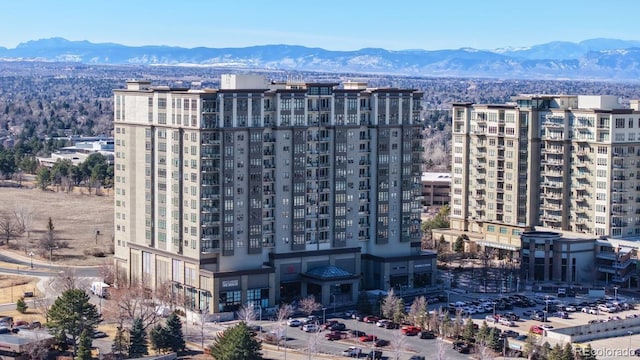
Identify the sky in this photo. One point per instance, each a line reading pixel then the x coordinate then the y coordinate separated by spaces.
pixel 328 24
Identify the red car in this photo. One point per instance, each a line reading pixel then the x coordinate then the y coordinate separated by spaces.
pixel 334 335
pixel 536 330
pixel 368 338
pixel 371 319
pixel 410 330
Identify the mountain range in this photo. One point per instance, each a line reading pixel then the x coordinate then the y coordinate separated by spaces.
pixel 594 59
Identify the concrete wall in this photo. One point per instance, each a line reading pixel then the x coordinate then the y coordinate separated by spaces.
pixel 595 331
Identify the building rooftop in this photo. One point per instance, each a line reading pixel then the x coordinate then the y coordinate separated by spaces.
pixel 436 176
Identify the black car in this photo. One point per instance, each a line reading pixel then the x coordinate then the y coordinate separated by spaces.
pixel 357 333
pixel 427 335
pixel 375 354
pixel 99 334
pixel 391 325
pixel 416 357
pixel 461 347
pixel 337 326
pixel 637 352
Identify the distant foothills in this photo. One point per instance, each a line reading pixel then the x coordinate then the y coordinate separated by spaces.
pixel 594 59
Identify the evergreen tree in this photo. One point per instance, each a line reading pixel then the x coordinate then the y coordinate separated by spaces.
pixel 483 333
pixel 138 345
pixel 587 353
pixel 546 349
pixel 175 335
pixel 236 343
pixel 458 245
pixel 469 332
pixel 21 306
pixel 555 353
pixel 567 352
pixel 159 337
pixel 72 313
pixel 493 341
pixel 119 346
pixel 84 346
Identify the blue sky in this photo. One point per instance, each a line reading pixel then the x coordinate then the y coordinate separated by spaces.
pixel 329 24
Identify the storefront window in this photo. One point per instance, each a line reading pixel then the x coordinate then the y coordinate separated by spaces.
pixel 229 301
pixel 258 297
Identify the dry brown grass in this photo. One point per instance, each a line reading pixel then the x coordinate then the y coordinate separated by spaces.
pixel 76 217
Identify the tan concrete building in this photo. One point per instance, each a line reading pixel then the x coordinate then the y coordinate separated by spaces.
pixel 565 162
pixel 264 192
pixel 436 188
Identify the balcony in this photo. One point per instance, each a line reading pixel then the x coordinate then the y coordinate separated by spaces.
pixel 553 124
pixel 479 166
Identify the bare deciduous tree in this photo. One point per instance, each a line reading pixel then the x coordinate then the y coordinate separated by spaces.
pixel 42 305
pixel 309 305
pixel 24 218
pixel 398 344
pixel 313 343
pixel 8 227
pixel 417 312
pixel 389 304
pixel 107 272
pixel 132 302
pixel 441 353
pixel 67 279
pixel 247 313
pixel 37 350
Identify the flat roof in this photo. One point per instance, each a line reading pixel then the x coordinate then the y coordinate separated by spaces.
pixel 436 176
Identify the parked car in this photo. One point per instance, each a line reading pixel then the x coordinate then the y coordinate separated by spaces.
pixel 375 354
pixel 334 335
pixel 391 325
pixel 427 335
pixel 536 329
pixel 382 322
pixel 380 343
pixel 506 322
pixel 368 338
pixel 370 319
pixel 461 347
pixel 510 333
pixel 357 333
pixel 310 328
pixel 352 351
pixel 417 357
pixel 99 334
pixel 410 330
pixel 294 322
pixel 562 314
pixel 338 327
pixel 328 324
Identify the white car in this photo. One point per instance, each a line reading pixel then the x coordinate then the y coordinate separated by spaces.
pixel 310 328
pixel 382 322
pixel 490 319
pixel 506 322
pixel 294 322
pixel 570 308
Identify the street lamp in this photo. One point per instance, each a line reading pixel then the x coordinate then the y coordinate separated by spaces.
pixel 31 257
pixel 546 300
pixel 615 292
pixel 324 316
pixel 630 333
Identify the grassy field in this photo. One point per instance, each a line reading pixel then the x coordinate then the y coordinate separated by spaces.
pixel 75 216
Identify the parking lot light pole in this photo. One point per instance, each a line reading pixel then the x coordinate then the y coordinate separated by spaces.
pixel 324 317
pixel 615 293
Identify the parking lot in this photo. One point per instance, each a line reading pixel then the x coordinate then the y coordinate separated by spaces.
pixel 407 346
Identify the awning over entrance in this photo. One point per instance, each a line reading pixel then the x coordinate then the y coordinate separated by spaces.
pixel 497 245
pixel 329 272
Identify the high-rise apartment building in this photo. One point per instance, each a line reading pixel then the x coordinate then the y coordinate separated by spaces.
pixel 566 162
pixel 266 192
